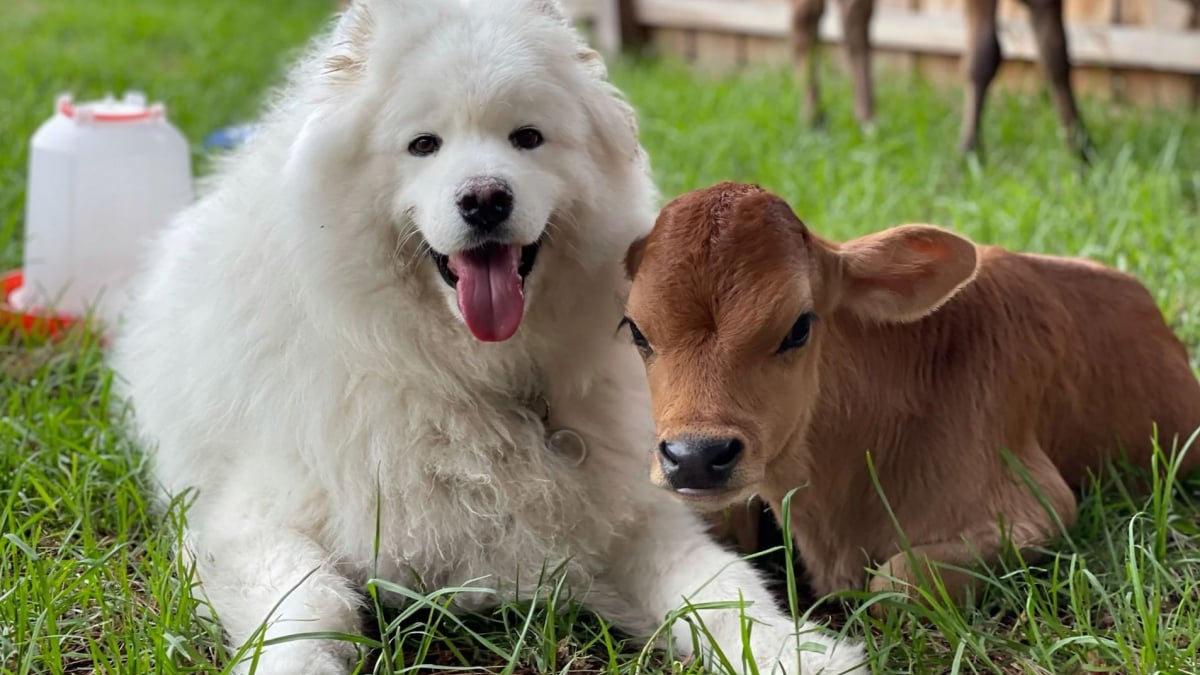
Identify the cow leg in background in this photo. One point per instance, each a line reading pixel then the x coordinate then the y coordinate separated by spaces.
pixel 1047 18
pixel 1024 524
pixel 856 23
pixel 980 64
pixel 806 15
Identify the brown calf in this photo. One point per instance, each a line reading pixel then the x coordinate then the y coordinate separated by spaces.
pixel 778 360
pixel 980 64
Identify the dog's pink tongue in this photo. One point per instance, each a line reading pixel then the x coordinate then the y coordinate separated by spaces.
pixel 490 294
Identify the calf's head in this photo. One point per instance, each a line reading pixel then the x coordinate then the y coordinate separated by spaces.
pixel 730 308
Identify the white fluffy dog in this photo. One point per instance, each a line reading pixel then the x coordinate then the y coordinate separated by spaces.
pixel 370 312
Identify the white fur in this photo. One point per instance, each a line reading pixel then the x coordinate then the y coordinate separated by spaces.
pixel 295 359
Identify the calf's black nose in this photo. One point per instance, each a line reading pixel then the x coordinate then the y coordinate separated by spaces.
pixel 699 463
pixel 485 203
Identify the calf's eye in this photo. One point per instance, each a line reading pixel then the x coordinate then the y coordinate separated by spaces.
pixel 639 340
pixel 799 334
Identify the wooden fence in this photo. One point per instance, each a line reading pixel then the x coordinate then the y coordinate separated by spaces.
pixel 1141 51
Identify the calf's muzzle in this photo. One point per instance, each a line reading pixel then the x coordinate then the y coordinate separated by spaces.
pixel 699 464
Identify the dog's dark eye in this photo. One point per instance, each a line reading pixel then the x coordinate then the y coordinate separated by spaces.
pixel 424 145
pixel 639 340
pixel 526 138
pixel 798 335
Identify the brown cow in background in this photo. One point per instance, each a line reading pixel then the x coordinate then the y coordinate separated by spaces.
pixel 980 63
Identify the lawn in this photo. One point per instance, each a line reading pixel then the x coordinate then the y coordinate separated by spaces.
pixel 87 580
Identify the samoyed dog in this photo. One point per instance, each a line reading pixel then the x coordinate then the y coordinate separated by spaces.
pixel 384 344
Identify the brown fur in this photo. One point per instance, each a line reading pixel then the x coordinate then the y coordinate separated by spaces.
pixel 980 63
pixel 1060 361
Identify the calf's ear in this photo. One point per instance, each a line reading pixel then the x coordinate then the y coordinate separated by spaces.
pixel 633 257
pixel 905 272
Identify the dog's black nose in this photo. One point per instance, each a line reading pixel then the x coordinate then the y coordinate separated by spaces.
pixel 699 463
pixel 485 203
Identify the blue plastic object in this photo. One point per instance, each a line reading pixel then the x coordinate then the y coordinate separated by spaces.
pixel 228 138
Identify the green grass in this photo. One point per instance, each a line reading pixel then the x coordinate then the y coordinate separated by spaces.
pixel 87 579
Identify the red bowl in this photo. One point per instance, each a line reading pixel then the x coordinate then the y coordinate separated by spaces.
pixel 48 325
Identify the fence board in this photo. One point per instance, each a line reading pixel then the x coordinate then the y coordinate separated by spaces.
pixel 770 51
pixel 674 41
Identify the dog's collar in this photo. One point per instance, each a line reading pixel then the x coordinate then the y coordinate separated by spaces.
pixel 566 443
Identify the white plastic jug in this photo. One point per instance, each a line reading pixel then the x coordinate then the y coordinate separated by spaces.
pixel 104 176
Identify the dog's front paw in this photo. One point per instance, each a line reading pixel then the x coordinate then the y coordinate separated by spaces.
pixel 811 652
pixel 301 657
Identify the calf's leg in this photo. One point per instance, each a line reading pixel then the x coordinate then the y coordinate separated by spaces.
pixel 1023 518
pixel 737 526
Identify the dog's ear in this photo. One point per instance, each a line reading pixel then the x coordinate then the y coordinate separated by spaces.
pixel 613 118
pixel 351 40
pixel 552 9
pixel 633 257
pixel 592 62
pixel 330 139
